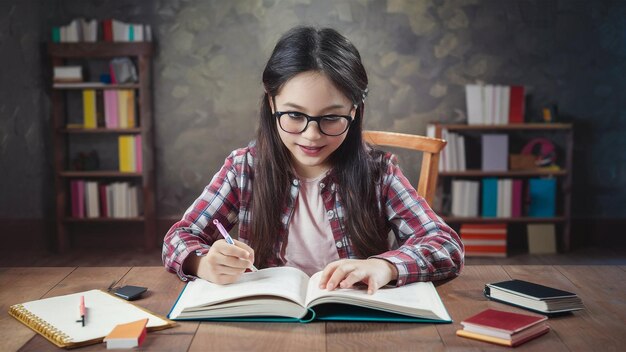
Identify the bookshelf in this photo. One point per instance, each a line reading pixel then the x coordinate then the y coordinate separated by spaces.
pixel 526 131
pixel 64 137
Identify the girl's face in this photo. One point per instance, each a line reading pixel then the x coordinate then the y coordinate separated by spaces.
pixel 313 94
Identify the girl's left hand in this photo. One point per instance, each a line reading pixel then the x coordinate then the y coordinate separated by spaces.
pixel 346 272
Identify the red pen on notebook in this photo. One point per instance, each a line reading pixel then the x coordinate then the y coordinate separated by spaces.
pixel 227 237
pixel 82 310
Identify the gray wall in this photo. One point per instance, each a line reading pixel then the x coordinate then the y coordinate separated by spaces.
pixel 419 55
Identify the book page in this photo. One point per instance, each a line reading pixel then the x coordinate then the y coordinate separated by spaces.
pixel 103 313
pixel 419 299
pixel 285 282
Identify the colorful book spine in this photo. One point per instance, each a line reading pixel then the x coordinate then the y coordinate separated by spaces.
pixel 122 108
pixel 516 206
pixel 125 147
pixel 542 192
pixel 516 104
pixel 138 154
pixel 90 119
pixel 111 109
pixel 485 240
pixel 489 197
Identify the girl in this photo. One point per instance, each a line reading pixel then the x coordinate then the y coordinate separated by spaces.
pixel 309 193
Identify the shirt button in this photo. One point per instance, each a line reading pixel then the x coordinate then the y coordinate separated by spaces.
pixel 339 244
pixel 330 214
pixel 295 182
pixel 322 185
pixel 400 282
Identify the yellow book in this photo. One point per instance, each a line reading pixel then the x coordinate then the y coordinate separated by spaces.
pixel 130 107
pixel 125 149
pixel 89 108
pixel 55 317
pixel 122 109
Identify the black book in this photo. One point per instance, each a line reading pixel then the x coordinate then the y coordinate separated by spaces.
pixel 534 297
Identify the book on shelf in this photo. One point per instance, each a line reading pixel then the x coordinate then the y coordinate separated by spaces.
pixel 542 194
pixel 55 317
pixel 119 31
pixel 92 199
pixel 129 153
pixel 534 297
pixel 111 108
pixel 489 104
pixel 465 198
pixel 517 198
pixel 67 74
pixel 128 335
pixel 284 294
pixel 90 118
pixel 489 197
pixel 541 238
pixel 484 240
pixel 505 198
pixel 494 152
pixel 503 328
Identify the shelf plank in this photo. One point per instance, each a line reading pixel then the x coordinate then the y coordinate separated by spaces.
pixel 103 220
pixel 94 85
pixel 510 173
pixel 134 130
pixel 99 49
pixel 99 174
pixel 526 219
pixel 519 126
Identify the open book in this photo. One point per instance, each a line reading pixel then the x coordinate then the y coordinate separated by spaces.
pixel 288 294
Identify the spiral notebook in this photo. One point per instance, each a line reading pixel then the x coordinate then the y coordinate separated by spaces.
pixel 55 318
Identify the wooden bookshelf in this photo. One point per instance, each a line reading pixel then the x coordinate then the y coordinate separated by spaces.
pixel 141 54
pixel 563 174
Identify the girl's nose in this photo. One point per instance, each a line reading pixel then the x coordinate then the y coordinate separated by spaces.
pixel 312 131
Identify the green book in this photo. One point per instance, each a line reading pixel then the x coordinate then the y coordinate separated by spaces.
pixel 56 34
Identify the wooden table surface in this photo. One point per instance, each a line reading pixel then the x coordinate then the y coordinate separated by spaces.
pixel 601 326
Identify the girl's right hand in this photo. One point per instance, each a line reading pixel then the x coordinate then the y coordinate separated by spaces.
pixel 224 263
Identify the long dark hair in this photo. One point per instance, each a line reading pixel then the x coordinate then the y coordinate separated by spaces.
pixel 356 172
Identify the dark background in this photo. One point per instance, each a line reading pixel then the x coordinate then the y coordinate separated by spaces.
pixel 419 55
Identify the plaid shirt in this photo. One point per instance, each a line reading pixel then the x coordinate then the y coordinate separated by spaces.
pixel 429 249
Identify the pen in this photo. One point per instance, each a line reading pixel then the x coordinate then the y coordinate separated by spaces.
pixel 81 309
pixel 228 238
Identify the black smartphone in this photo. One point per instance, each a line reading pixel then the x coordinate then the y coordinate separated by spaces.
pixel 130 293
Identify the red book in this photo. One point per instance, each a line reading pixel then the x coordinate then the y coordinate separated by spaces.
pixel 516 104
pixel 107 30
pixel 504 328
pixel 102 188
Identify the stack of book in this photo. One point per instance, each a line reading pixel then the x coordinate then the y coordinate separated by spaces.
pixel 534 297
pixel 503 328
pixel 484 240
pixel 494 104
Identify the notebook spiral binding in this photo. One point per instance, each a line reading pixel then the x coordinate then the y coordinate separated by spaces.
pixel 41 326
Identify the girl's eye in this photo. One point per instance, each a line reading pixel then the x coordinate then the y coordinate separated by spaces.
pixel 296 115
pixel 332 118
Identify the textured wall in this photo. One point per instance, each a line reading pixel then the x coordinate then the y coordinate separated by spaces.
pixel 419 55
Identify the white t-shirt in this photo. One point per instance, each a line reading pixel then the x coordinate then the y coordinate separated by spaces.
pixel 310 242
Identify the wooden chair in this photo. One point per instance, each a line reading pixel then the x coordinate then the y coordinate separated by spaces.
pixel 430 148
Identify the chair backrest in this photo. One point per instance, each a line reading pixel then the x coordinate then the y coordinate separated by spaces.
pixel 430 148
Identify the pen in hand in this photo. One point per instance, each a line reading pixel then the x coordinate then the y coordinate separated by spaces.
pixel 82 310
pixel 227 237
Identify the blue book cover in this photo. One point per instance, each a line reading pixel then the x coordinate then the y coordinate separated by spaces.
pixel 490 197
pixel 542 193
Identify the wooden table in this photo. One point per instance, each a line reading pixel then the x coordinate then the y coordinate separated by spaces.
pixel 601 326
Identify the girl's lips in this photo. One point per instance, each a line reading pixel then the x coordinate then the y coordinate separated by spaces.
pixel 310 150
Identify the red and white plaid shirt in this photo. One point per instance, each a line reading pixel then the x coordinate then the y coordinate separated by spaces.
pixel 428 248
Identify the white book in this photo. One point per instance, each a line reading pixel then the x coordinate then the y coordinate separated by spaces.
pixel 472 189
pixel 147 33
pixel 110 200
pixel 506 95
pixel 507 200
pixel 457 198
pixel 138 33
pixel 489 105
pixel 500 204
pixel 92 199
pixel 460 147
pixel 474 99
pixel 289 293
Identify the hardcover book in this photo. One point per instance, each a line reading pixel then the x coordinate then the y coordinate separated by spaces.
pixel 503 328
pixel 532 296
pixel 284 294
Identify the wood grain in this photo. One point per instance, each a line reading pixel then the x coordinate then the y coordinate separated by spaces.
pixel 19 285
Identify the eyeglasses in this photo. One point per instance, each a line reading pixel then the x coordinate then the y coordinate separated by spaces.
pixel 297 122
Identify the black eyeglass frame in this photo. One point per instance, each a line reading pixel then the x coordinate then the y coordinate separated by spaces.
pixel 317 119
